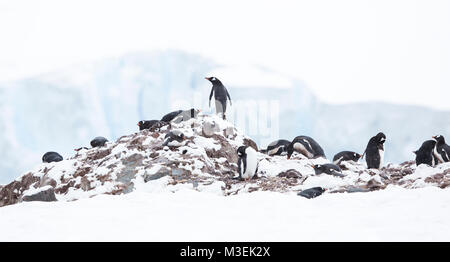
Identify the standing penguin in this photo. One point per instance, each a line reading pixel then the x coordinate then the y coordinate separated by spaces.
pixel 424 155
pixel 306 146
pixel 441 150
pixel 247 162
pixel 375 151
pixel 277 147
pixel 345 156
pixel 220 96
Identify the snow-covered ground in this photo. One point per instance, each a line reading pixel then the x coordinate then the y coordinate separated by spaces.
pixel 393 214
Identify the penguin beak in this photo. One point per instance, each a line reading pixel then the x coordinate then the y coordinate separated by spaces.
pixel 433 137
pixel 208 78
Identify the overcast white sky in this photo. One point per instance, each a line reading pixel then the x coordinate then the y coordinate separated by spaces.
pixel 345 51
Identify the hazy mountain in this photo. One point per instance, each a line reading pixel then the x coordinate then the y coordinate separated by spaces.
pixel 64 110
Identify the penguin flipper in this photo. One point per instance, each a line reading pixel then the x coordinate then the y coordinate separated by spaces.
pixel 338 174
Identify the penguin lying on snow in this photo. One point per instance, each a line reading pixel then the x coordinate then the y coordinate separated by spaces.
pixel 278 147
pixel 186 115
pixel 424 155
pixel 441 150
pixel 146 124
pixel 51 157
pixel 311 192
pixel 220 96
pixel 170 116
pixel 306 146
pixel 98 141
pixel 173 138
pixel 247 162
pixel 375 151
pixel 345 156
pixel 329 169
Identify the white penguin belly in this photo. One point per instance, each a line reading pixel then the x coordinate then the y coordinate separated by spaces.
pixel 338 160
pixel 299 147
pixel 252 163
pixel 273 151
pixel 438 156
pixel 381 152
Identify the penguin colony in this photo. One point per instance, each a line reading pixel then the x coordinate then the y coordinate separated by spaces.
pixel 432 152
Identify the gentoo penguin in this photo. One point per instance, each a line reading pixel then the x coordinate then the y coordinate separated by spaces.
pixel 375 151
pixel 441 150
pixel 306 146
pixel 311 192
pixel 345 156
pixel 146 124
pixel 170 116
pixel 247 162
pixel 51 157
pixel 98 141
pixel 220 96
pixel 278 147
pixel 173 138
pixel 186 115
pixel 329 169
pixel 424 155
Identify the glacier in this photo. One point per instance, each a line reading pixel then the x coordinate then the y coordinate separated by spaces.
pixel 64 110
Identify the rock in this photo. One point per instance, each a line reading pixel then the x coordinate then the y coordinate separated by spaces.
pixel 45 194
pixel 251 143
pixel 311 192
pixel 375 185
pixel 229 132
pixel 162 172
pixel 291 173
pixel 11 193
pixel 209 128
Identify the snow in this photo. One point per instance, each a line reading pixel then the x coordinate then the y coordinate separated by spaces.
pixel 394 214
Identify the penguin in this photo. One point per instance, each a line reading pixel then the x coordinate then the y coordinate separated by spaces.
pixel 375 151
pixel 98 141
pixel 51 157
pixel 441 150
pixel 345 156
pixel 312 192
pixel 329 169
pixel 170 116
pixel 220 96
pixel 173 138
pixel 424 155
pixel 247 162
pixel 306 146
pixel 277 147
pixel 146 124
pixel 186 115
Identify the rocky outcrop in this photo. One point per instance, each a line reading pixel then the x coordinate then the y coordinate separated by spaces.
pixel 205 160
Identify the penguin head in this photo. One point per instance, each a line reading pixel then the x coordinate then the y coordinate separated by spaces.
pixel 213 80
pixel 439 139
pixel 381 138
pixel 241 151
pixel 141 124
pixel 356 156
pixel 317 169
